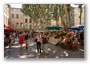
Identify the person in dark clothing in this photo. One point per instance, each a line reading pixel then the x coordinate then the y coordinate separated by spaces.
pixel 26 37
pixel 45 41
pixel 7 38
pixel 82 38
pixel 38 42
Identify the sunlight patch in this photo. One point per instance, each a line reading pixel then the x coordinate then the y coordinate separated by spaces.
pixel 56 57
pixel 81 49
pixel 37 57
pixel 34 50
pixel 15 46
pixel 66 54
pixel 23 56
pixel 54 51
pixel 61 55
pixel 7 47
pixel 49 49
pixel 31 44
pixel 31 55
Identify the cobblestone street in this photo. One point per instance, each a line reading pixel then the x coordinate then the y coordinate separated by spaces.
pixel 54 52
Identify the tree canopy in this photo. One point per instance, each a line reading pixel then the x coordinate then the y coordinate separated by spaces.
pixel 47 12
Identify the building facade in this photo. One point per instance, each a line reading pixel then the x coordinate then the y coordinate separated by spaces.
pixel 6 14
pixel 19 21
pixel 71 17
pixel 28 23
pixel 53 22
pixel 16 18
pixel 77 16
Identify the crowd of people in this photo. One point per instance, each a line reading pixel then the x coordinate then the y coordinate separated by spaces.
pixel 67 40
pixel 22 36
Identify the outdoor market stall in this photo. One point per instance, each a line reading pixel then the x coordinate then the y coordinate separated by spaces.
pixel 53 27
pixel 9 28
pixel 77 27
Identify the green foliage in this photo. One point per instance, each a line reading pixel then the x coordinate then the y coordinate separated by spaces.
pixel 55 13
pixel 38 11
pixel 44 12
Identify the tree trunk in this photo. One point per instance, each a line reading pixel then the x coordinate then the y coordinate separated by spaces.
pixel 62 22
pixel 56 22
pixel 47 22
pixel 67 17
pixel 80 14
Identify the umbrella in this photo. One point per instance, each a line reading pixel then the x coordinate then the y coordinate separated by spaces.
pixel 81 26
pixel 78 26
pixel 53 27
pixel 74 29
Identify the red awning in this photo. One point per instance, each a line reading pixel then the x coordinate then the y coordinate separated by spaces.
pixel 8 27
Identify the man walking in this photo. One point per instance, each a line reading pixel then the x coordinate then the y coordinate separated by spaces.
pixel 26 39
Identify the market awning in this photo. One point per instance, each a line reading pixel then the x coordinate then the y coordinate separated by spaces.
pixel 74 28
pixel 53 27
pixel 8 28
pixel 78 26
